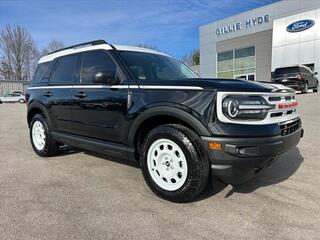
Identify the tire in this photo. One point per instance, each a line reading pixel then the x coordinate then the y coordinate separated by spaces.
pixel 305 88
pixel 188 164
pixel 21 101
pixel 40 136
pixel 316 88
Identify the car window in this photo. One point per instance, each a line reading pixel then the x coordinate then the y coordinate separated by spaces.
pixel 65 70
pixel 42 68
pixel 95 63
pixel 286 70
pixel 144 66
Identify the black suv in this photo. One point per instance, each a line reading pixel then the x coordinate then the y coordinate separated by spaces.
pixel 299 77
pixel 145 106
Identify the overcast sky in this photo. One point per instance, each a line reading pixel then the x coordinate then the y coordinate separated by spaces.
pixel 171 26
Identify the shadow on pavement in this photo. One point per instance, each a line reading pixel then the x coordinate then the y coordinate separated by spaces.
pixel 66 150
pixel 277 172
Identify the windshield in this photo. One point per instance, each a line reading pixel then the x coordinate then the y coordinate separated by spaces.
pixel 145 66
pixel 286 70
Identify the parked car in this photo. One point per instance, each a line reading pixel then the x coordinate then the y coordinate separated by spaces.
pixel 145 106
pixel 300 78
pixel 12 97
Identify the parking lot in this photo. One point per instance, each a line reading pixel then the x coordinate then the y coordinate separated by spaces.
pixel 84 195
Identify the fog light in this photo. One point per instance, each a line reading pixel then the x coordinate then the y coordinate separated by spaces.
pixel 214 145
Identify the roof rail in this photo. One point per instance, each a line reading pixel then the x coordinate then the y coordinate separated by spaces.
pixel 91 43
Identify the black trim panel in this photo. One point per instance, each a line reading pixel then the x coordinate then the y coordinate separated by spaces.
pixel 104 147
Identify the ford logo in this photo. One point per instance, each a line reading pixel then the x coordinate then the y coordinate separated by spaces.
pixel 300 25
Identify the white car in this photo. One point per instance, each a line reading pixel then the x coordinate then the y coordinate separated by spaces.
pixel 12 97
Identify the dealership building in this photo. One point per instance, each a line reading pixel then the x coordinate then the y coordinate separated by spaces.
pixel 251 45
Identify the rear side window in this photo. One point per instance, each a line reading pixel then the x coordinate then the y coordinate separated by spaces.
pixel 305 70
pixel 41 72
pixel 94 63
pixel 65 70
pixel 286 70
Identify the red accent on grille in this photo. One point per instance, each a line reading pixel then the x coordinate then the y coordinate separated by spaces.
pixel 287 105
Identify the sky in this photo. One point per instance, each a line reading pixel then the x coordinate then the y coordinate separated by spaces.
pixel 170 25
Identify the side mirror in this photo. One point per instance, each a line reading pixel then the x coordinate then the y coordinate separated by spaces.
pixel 315 73
pixel 105 77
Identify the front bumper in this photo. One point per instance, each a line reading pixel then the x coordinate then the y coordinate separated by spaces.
pixel 239 159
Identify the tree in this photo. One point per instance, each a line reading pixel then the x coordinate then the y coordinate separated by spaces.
pixel 53 45
pixel 196 57
pixel 192 58
pixel 18 53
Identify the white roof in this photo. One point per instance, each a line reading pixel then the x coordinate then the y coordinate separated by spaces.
pixel 69 51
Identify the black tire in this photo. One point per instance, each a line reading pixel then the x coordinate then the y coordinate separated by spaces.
pixel 196 158
pixel 305 88
pixel 316 88
pixel 50 147
pixel 21 101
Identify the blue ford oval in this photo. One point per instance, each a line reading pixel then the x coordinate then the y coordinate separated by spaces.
pixel 300 26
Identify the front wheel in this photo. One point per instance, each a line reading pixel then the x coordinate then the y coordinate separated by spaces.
pixel 21 101
pixel 173 163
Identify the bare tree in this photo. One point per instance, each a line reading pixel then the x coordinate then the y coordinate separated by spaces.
pixel 53 45
pixel 18 53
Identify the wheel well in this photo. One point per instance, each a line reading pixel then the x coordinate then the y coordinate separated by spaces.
pixel 147 125
pixel 32 113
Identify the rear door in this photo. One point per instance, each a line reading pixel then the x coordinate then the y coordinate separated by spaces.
pixel 99 111
pixel 59 93
pixel 309 76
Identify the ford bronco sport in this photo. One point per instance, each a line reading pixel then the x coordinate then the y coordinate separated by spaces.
pixel 145 106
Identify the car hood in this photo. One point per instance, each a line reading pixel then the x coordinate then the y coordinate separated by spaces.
pixel 221 85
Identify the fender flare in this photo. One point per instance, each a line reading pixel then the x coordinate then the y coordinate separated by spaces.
pixel 168 111
pixel 36 105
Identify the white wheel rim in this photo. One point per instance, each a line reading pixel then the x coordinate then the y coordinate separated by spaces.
pixel 167 164
pixel 38 135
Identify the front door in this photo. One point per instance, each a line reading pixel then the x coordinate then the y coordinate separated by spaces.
pixel 98 111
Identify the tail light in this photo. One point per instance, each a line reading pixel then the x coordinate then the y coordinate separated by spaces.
pixel 300 77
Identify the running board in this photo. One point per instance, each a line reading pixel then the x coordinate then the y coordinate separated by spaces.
pixel 104 147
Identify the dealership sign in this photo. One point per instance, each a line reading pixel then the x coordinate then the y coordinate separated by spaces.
pixel 300 25
pixel 248 23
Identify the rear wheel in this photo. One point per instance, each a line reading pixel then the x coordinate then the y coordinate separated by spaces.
pixel 305 88
pixel 316 88
pixel 21 101
pixel 173 163
pixel 41 138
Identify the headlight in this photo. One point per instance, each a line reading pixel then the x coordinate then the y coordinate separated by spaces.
pixel 245 107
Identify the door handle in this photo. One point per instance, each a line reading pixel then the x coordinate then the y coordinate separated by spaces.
pixel 48 94
pixel 81 94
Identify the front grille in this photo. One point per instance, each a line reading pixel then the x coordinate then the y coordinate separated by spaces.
pixel 290 127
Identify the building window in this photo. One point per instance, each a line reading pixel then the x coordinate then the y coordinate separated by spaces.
pixel 237 64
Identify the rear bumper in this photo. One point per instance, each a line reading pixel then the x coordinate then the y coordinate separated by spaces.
pixel 295 84
pixel 239 159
